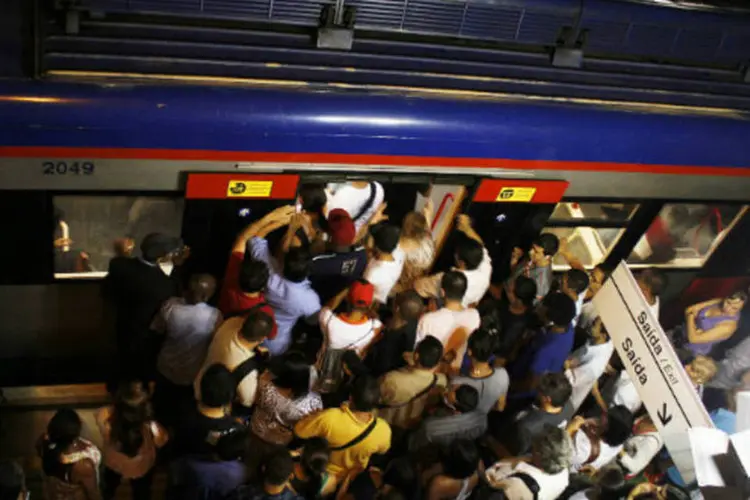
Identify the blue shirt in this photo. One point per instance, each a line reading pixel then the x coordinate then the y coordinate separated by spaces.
pixel 196 479
pixel 289 300
pixel 547 352
pixel 333 272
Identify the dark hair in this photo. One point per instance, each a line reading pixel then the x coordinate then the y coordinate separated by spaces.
pixel 257 326
pixel 314 460
pixel 454 285
pixel 578 280
pixel 525 290
pixel 559 309
pixel 12 480
pixel 232 445
pixel 482 345
pixel 63 429
pixel 655 279
pixel 217 386
pixel 467 398
pixel 470 252
pixel 549 243
pixel 410 305
pixel 611 482
pixel 132 410
pixel 297 264
pixel 351 360
pixel 738 295
pixel 385 237
pixel 277 467
pixel 201 288
pixel 313 198
pixel 365 393
pixel 429 352
pixel 460 459
pixel 253 276
pixel 619 426
pixel 402 475
pixel 556 387
pixel 291 371
pixel 714 399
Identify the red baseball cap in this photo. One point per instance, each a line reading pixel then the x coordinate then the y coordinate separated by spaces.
pixel 361 293
pixel 341 227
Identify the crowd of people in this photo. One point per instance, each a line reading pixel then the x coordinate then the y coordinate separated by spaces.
pixel 331 363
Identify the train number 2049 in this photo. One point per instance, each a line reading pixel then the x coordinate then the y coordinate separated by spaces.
pixel 68 168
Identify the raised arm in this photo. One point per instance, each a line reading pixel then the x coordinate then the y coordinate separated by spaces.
pixel 463 224
pixel 569 257
pixel 378 217
pixel 269 222
pixel 720 332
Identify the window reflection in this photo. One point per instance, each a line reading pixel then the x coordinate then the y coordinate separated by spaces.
pixel 609 212
pixel 589 245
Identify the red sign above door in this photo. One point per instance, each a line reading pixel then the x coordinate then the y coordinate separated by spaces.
pixel 520 191
pixel 241 186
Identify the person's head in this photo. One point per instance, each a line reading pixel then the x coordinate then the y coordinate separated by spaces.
pixel 598 333
pixel 557 309
pixel 460 459
pixel 733 304
pixel 63 429
pixel 428 353
pixel 278 467
pixel 652 282
pixel 291 372
pixel 156 247
pixel 650 491
pixel 360 296
pixel 232 445
pixel 315 455
pixel 481 346
pixel 469 253
pixel 701 369
pixel 575 282
pixel 610 481
pixel 257 326
pixel 551 450
pixel 522 291
pixel 297 265
pixel 463 398
pixel 415 226
pixel 453 285
pixel 408 306
pixel 201 288
pixel 12 481
pixel 619 425
pixel 401 476
pixel 341 229
pixel 543 249
pixel 554 390
pixel 253 276
pixel 385 238
pixel 217 387
pixel 312 198
pixel 365 394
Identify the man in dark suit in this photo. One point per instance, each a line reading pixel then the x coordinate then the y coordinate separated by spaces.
pixel 138 286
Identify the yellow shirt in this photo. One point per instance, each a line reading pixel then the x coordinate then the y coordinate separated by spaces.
pixel 339 426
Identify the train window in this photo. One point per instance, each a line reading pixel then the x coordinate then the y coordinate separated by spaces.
pixel 87 227
pixel 684 235
pixel 590 245
pixel 606 212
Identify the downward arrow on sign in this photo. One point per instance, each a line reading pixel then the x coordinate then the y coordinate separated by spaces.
pixel 664 417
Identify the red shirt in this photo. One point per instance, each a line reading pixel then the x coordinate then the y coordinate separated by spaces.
pixel 233 300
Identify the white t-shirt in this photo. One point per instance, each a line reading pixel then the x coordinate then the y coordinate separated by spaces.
pixel 644 448
pixel 477 282
pixel 579 307
pixel 588 315
pixel 384 274
pixel 353 199
pixel 442 323
pixel 551 486
pixel 582 451
pixel 340 334
pixel 592 360
pixel 626 394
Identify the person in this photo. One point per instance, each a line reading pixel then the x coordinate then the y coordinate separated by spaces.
pixel 733 372
pixel 455 419
pixel 343 262
pixel 12 481
pixel 353 430
pixel 138 287
pixel 472 260
pixel 277 473
pixel 406 392
pixel 352 330
pixel 211 477
pixel 651 491
pixel 544 477
pixel 201 428
pixel 640 448
pixel 709 323
pixel 131 440
pixel 552 407
pixel 597 442
pixel 453 323
pixel 457 474
pixel 700 370
pixel 589 313
pixel 284 397
pixel 550 348
pixel 238 352
pixel 417 245
pixel 587 364
pixel 574 284
pixel 69 462
pixel 386 262
pixel 360 199
pixel 398 337
pixel 311 481
pixel 399 481
pixel 188 324
pixel 67 260
pixel 309 232
pixel 491 382
pixel 538 265
pixel 610 485
pixel 652 282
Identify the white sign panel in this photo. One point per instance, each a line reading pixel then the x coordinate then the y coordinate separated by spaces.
pixel 661 381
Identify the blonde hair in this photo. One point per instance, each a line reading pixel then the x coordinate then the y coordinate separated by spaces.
pixel 414 226
pixel 704 363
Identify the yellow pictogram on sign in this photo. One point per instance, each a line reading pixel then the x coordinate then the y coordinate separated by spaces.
pixel 517 194
pixel 249 189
